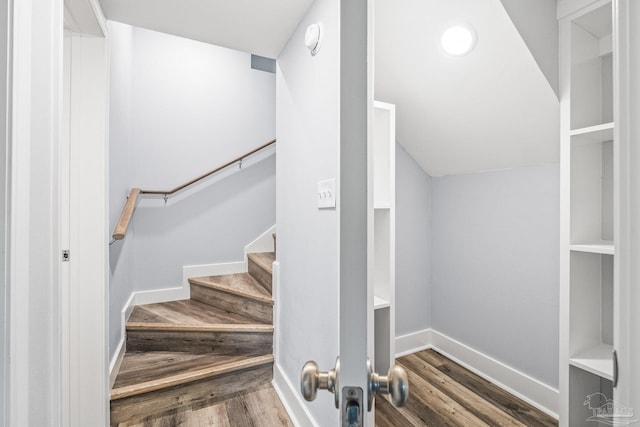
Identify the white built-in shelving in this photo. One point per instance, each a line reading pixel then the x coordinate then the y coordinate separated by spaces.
pixel 380 303
pixel 596 360
pixel 599 247
pixel 589 206
pixel 383 150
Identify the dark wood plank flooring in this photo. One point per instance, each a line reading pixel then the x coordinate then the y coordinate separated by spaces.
pixel 443 393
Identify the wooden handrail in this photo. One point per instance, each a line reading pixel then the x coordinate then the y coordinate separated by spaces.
pixel 218 169
pixel 127 213
pixel 132 198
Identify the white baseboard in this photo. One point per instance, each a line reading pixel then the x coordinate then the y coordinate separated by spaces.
pixel 161 295
pixel 291 399
pixel 264 243
pixel 413 342
pixel 116 362
pixel 515 382
pixel 211 270
pixel 116 359
pixel 275 293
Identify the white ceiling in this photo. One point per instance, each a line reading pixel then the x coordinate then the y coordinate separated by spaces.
pixel 259 27
pixel 492 109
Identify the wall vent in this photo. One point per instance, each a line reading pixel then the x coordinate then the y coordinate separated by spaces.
pixel 263 64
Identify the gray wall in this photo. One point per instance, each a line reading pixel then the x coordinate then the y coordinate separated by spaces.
pixel 308 132
pixel 180 108
pixel 413 245
pixel 495 265
pixel 120 173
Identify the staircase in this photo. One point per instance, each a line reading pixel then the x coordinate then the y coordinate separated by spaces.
pixel 192 353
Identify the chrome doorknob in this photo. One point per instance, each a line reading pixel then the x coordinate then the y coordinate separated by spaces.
pixel 396 384
pixel 311 379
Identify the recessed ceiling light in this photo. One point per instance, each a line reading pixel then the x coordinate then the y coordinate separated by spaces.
pixel 459 39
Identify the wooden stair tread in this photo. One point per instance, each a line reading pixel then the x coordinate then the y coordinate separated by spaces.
pixel 214 327
pixel 190 315
pixel 264 259
pixel 150 371
pixel 259 406
pixel 240 284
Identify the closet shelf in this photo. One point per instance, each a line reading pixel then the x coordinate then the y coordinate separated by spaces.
pixel 380 303
pixel 598 133
pixel 599 247
pixel 596 360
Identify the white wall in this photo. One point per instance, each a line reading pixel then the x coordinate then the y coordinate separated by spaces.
pixel 3 182
pixel 413 245
pixel 180 108
pixel 308 132
pixel 538 26
pixel 495 265
pixel 35 374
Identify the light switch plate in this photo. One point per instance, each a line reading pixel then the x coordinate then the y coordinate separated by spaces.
pixel 327 193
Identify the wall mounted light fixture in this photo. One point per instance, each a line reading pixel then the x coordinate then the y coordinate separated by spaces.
pixel 313 38
pixel 459 39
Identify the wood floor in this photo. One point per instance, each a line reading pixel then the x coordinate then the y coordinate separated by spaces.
pixel 443 393
pixel 259 408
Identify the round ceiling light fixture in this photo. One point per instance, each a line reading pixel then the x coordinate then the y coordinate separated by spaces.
pixel 459 39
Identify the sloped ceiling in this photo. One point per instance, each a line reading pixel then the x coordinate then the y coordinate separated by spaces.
pixel 259 27
pixel 491 109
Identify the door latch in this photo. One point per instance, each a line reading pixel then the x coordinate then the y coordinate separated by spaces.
pixel 352 401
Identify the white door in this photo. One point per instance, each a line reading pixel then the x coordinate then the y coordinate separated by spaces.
pixel 4 65
pixel 356 298
pixel 627 322
pixel 83 220
pixel 352 384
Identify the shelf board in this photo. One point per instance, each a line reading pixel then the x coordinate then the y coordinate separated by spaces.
pixel 598 133
pixel 596 360
pixel 600 247
pixel 382 206
pixel 380 303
